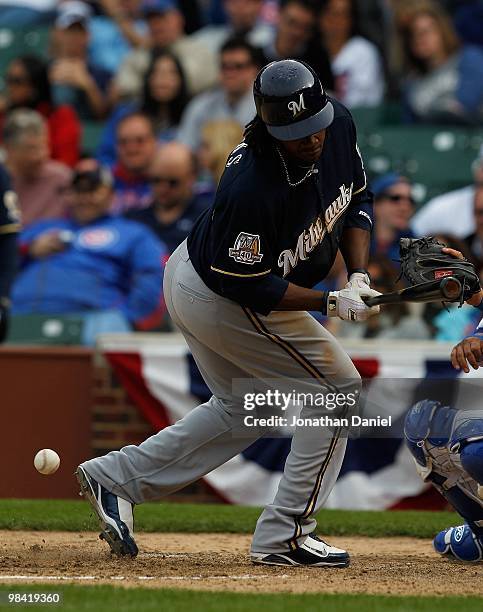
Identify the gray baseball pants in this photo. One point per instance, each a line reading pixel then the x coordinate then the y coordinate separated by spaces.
pixel 232 342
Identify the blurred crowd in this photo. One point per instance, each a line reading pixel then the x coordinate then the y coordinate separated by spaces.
pixel 169 83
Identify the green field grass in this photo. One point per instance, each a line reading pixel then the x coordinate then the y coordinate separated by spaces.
pixel 189 518
pixel 97 598
pixel 62 515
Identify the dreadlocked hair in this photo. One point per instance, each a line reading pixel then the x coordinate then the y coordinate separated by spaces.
pixel 257 137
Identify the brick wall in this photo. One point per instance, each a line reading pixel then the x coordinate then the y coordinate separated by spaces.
pixel 115 419
pixel 117 422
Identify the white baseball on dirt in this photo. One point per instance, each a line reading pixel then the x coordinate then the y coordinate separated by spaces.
pixel 46 461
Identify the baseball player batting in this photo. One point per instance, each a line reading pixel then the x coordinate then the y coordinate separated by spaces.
pixel 293 194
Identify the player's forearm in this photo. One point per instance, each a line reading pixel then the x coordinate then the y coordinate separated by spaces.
pixel 300 298
pixel 271 293
pixel 354 247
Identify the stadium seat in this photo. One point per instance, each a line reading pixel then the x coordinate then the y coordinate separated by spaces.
pixel 91 135
pixel 45 329
pixel 21 41
pixel 366 119
pixel 436 159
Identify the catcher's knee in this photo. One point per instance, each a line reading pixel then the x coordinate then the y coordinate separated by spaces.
pixel 472 460
pixel 417 427
pixel 467 440
pixel 427 421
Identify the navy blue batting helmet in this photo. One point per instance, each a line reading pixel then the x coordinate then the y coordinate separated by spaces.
pixel 291 101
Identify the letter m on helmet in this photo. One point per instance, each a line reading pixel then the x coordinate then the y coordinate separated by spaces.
pixel 297 107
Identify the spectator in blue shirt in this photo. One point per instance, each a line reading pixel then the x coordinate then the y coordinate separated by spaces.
pixel 175 206
pixel 105 269
pixel 393 209
pixel 113 34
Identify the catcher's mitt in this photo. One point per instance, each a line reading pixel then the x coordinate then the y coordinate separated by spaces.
pixel 431 272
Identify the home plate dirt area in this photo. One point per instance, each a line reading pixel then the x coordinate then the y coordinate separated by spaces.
pixel 398 566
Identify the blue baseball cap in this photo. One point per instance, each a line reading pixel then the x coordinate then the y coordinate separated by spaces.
pixel 385 182
pixel 158 7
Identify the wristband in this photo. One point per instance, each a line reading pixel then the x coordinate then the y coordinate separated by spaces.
pixel 331 304
pixel 357 270
pixel 323 308
pixel 475 335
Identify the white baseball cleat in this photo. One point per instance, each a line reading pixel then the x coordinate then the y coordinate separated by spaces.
pixel 314 552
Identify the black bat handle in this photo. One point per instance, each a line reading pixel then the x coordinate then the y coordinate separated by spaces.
pixel 449 290
pixel 372 301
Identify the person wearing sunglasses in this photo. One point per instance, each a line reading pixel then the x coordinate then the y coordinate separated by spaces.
pixel 175 206
pixel 27 86
pixel 233 99
pixel 393 209
pixel 136 145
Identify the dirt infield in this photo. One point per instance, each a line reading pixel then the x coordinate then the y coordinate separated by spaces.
pixel 399 566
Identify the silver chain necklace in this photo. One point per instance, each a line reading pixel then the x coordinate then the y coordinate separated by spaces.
pixel 312 170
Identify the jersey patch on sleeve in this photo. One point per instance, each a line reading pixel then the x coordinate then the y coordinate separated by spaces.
pixel 246 249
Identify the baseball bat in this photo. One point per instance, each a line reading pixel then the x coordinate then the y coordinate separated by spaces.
pixel 448 290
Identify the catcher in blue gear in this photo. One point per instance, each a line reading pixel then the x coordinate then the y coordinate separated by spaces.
pixel 447 445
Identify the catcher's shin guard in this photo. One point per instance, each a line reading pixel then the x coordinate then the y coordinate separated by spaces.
pixel 444 442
